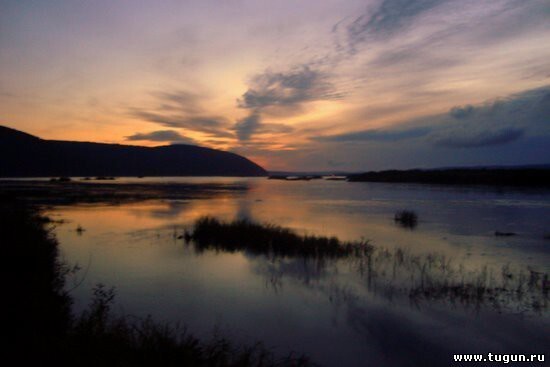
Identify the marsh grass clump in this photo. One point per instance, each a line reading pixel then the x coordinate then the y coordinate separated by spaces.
pixel 423 277
pixel 269 239
pixel 406 218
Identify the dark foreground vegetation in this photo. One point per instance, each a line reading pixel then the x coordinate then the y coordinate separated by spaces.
pixel 520 177
pixel 43 330
pixel 426 277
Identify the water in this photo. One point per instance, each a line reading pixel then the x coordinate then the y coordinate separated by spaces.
pixel 332 312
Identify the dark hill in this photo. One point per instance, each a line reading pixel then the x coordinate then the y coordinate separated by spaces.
pixel 24 155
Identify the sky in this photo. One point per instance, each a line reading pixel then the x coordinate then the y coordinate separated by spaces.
pixel 293 85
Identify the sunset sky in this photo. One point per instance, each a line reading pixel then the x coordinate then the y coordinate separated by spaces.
pixel 293 85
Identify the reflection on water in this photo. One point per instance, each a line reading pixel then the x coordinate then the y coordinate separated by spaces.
pixel 327 310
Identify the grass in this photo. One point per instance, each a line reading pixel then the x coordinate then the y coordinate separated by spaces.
pixel 406 218
pixel 102 339
pixel 37 305
pixel 435 277
pixel 244 235
pixel 424 277
pixel 42 329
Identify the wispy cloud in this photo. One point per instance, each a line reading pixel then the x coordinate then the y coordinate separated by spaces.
pixel 181 101
pixel 388 18
pixel 419 45
pixel 276 93
pixel 183 109
pixel 210 125
pixel 287 89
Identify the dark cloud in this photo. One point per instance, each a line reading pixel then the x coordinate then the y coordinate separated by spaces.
pixel 161 136
pixel 252 124
pixel 375 135
pixel 498 122
pixel 495 123
pixel 462 112
pixel 247 126
pixel 213 126
pixel 481 138
pixel 188 122
pixel 288 89
pixel 182 109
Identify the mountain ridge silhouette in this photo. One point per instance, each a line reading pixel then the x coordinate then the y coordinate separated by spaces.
pixel 25 155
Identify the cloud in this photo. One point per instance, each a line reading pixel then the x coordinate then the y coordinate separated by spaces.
pixel 210 125
pixel 461 112
pixel 183 109
pixel 247 126
pixel 276 93
pixel 275 128
pixel 375 135
pixel 252 124
pixel 161 136
pixel 432 35
pixel 480 138
pixel 181 100
pixel 510 130
pixel 497 122
pixel 290 89
pixel 389 17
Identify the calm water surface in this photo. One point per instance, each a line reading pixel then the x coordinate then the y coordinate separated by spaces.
pixel 331 311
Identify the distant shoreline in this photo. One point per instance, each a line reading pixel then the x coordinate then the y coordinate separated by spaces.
pixel 517 177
